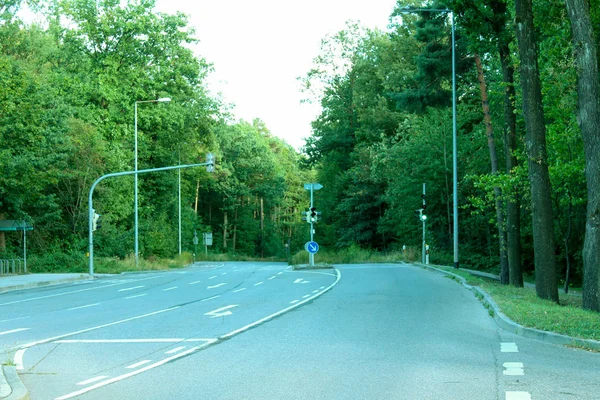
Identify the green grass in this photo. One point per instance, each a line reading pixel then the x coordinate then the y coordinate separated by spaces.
pixel 117 266
pixel 524 307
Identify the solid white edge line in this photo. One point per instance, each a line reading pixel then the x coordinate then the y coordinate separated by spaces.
pixel 132 373
pixel 14 319
pixel 92 380
pixel 280 312
pixel 138 364
pixel 18 359
pixel 165 340
pixel 14 331
pixel 210 298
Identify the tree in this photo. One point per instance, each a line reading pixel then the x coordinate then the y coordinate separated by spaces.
pixel 588 118
pixel 533 113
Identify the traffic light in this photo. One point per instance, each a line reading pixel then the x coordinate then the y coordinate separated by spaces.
pixel 318 216
pixel 210 161
pixel 424 208
pixel 96 224
pixel 419 213
pixel 313 214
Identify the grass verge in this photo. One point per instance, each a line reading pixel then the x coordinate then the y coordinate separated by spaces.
pixel 524 307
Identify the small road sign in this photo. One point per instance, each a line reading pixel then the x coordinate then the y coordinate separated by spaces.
pixel 312 247
pixel 313 186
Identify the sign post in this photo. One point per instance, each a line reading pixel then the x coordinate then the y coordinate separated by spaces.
pixel 312 187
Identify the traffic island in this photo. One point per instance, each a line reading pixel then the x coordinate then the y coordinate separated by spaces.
pixel 303 267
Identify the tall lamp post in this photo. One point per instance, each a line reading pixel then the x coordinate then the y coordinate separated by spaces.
pixel 407 10
pixel 135 168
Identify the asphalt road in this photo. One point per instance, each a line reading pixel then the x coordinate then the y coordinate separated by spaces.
pixel 262 331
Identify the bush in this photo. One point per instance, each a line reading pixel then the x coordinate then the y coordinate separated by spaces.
pixel 74 262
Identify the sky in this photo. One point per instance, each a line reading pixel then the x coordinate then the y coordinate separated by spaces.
pixel 259 48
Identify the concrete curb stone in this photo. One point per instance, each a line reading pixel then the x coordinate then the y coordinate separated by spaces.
pixel 509 325
pixel 45 283
pixel 11 387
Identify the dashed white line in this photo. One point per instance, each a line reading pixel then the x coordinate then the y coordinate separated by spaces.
pixel 294 301
pixel 239 290
pixel 279 273
pixel 86 306
pixel 171 288
pixel 273 277
pixel 212 277
pixel 259 283
pixel 322 287
pixel 14 331
pixel 137 295
pixel 130 288
pixel 315 291
pixel 216 286
pixel 139 364
pixel 210 298
pixel 175 350
pixel 98 378
pixel 509 347
pixel 518 396
pixel 194 283
pixel 305 296
pixel 14 319
pixel 224 273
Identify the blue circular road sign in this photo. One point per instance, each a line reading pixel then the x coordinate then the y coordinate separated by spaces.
pixel 312 247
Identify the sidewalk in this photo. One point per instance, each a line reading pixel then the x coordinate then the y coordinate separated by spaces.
pixel 9 283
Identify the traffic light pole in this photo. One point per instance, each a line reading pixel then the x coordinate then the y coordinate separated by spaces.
pixel 311 256
pixel 423 219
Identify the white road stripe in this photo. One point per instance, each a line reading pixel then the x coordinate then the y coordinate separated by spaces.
pixel 210 298
pixel 518 396
pixel 509 347
pixel 139 364
pixel 175 350
pixel 171 288
pixel 98 378
pixel 294 301
pixel 224 273
pixel 167 340
pixel 279 273
pixel 239 290
pixel 194 283
pixel 305 296
pixel 259 283
pixel 513 368
pixel 273 277
pixel 19 359
pixel 86 306
pixel 132 373
pixel 216 286
pixel 131 288
pixel 14 319
pixel 315 291
pixel 14 331
pixel 322 287
pixel 137 295
pixel 212 277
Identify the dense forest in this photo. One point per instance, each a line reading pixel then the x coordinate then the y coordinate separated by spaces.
pixel 527 138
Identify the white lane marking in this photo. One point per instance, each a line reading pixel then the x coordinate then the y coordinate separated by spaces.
pixel 305 296
pixel 98 378
pixel 224 273
pixel 194 283
pixel 52 339
pixel 509 347
pixel 133 373
pixel 14 331
pixel 210 298
pixel 19 359
pixel 175 350
pixel 171 288
pixel 300 280
pixel 164 340
pixel 75 291
pixel 14 319
pixel 239 290
pixel 294 301
pixel 130 288
pixel 259 283
pixel 513 368
pixel 280 312
pixel 216 286
pixel 220 312
pixel 518 396
pixel 137 295
pixel 315 291
pixel 86 306
pixel 279 273
pixel 322 287
pixel 139 364
pixel 273 277
pixel 212 277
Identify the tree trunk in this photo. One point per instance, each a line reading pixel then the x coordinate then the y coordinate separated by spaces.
pixel 225 231
pixel 535 138
pixel 566 238
pixel 513 205
pixel 588 117
pixel 197 196
pixel 235 221
pixel 489 131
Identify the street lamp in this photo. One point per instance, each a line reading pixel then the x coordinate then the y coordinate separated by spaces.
pixel 135 168
pixel 406 10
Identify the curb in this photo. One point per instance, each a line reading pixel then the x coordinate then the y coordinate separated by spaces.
pixel 509 325
pixel 11 383
pixel 45 283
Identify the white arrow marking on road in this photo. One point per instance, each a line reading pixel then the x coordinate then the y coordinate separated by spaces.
pixel 14 331
pixel 216 286
pixel 300 280
pixel 221 312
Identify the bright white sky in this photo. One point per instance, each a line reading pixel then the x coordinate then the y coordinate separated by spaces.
pixel 259 48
